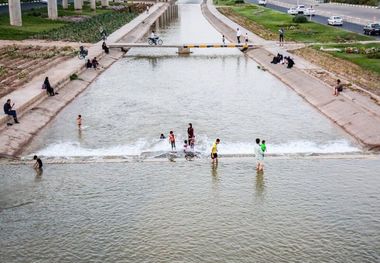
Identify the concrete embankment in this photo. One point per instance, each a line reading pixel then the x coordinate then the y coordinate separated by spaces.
pixel 37 110
pixel 353 112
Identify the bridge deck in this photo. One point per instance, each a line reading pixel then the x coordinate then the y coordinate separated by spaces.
pixel 218 45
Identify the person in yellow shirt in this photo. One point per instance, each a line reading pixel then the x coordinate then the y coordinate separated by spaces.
pixel 214 151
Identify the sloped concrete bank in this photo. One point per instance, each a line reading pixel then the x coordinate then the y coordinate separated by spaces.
pixel 36 110
pixel 362 122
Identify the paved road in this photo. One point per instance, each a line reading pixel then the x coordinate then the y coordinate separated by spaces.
pixel 320 19
pixel 329 9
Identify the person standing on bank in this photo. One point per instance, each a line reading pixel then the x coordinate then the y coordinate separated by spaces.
pixel 281 33
pixel 8 109
pixel 246 38
pixel 238 35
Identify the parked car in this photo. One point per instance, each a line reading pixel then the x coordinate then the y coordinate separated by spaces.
pixel 372 29
pixel 335 21
pixel 309 12
pixel 263 2
pixel 298 10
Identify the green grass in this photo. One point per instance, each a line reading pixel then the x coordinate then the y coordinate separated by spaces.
pixel 362 60
pixel 304 32
pixel 36 21
pixel 31 26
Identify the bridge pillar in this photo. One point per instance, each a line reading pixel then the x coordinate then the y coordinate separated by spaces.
pixel 105 3
pixel 15 12
pixel 93 4
pixel 78 4
pixel 65 4
pixel 52 9
pixel 183 51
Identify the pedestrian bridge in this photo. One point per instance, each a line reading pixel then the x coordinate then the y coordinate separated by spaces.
pixel 184 48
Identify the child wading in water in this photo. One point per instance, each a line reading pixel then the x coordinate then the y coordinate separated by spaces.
pixel 214 151
pixel 263 146
pixel 79 121
pixel 172 140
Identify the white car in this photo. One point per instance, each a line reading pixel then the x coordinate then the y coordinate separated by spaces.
pixel 300 9
pixel 309 12
pixel 263 2
pixel 335 21
pixel 292 11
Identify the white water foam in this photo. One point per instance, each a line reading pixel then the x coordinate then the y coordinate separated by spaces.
pixel 75 149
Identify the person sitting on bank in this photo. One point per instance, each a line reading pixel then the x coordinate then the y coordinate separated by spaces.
pixel 48 87
pixel 290 62
pixel 105 48
pixel 9 111
pixel 338 88
pixel 277 59
pixel 95 63
pixel 88 64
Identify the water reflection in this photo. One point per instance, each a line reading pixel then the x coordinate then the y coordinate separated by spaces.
pixel 260 184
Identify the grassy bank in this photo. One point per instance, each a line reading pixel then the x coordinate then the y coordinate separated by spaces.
pixel 266 23
pixel 367 56
pixel 72 25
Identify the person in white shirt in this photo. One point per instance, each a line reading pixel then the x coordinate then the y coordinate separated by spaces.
pixel 238 35
pixel 259 156
pixel 246 38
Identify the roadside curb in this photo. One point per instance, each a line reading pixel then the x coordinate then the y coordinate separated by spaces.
pixel 361 6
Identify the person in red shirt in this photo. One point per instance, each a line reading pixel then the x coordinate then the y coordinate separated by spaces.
pixel 172 140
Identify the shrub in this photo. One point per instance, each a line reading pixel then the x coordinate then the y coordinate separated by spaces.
pixel 239 1
pixel 300 19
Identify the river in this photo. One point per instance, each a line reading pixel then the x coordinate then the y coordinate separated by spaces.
pixel 318 199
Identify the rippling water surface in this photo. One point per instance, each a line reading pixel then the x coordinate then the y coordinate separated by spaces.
pixel 222 92
pixel 297 211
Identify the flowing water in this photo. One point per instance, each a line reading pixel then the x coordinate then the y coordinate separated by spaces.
pixel 313 203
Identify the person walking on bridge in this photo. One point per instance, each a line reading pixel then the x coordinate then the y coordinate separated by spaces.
pixel 238 35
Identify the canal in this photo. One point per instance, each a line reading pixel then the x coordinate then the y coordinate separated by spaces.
pixel 109 194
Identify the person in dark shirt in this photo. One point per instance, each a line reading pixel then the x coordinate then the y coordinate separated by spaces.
pixel 190 135
pixel 105 48
pixel 88 64
pixel 48 87
pixel 95 63
pixel 38 164
pixel 8 110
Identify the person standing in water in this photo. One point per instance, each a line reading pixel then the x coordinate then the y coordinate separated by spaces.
pixel 259 156
pixel 172 140
pixel 79 121
pixel 214 151
pixel 190 135
pixel 38 164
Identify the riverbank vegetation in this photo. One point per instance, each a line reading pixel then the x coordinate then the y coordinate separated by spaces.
pixel 72 25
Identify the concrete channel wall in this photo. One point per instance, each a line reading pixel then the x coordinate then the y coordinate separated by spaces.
pixel 37 110
pixel 361 121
